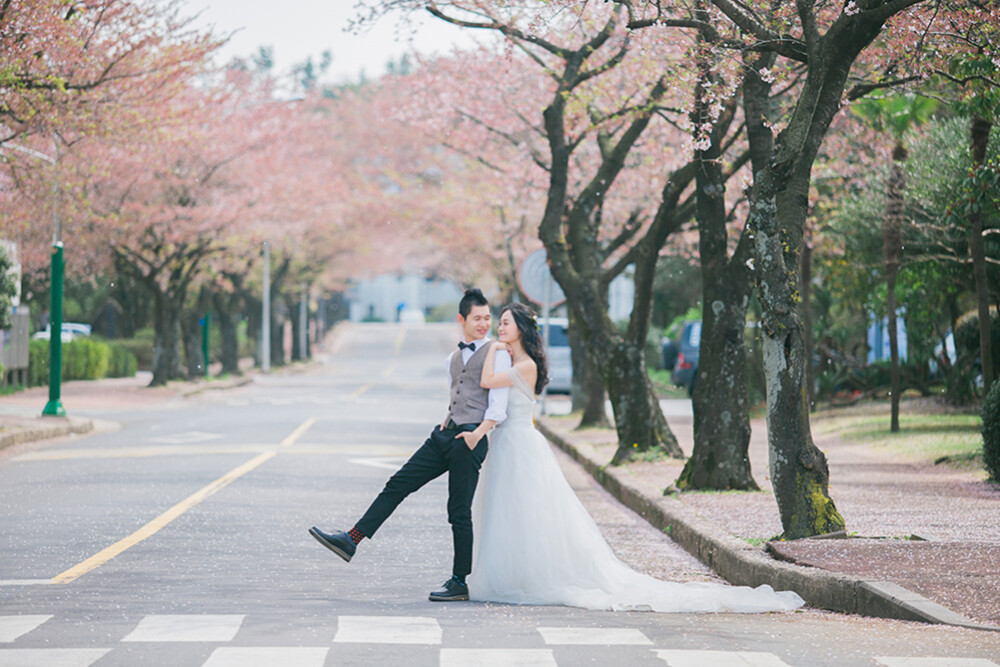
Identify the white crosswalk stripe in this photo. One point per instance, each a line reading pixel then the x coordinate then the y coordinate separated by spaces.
pixel 599 636
pixel 935 662
pixel 51 657
pixel 388 630
pixel 720 659
pixel 497 657
pixel 186 628
pixel 26 632
pixel 267 656
pixel 12 627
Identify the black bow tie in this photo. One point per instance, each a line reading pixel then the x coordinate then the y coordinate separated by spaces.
pixel 471 346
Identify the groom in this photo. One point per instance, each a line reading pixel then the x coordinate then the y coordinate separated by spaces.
pixel 456 446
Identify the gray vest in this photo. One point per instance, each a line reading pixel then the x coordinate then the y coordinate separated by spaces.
pixel 468 400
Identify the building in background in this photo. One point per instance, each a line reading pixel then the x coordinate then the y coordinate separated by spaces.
pixel 390 298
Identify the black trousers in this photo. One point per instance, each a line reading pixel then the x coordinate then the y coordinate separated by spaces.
pixel 442 452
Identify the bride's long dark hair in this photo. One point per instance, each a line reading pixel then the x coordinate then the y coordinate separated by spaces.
pixel 531 340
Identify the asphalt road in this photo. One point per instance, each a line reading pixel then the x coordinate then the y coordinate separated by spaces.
pixel 178 537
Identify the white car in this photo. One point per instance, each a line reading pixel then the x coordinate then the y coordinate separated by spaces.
pixel 70 330
pixel 558 354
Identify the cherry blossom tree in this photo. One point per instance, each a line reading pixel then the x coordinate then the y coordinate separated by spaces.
pixel 826 42
pixel 580 134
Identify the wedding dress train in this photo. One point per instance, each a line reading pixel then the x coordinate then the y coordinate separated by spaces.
pixel 535 543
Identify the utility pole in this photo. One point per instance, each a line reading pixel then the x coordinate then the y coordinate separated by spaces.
pixel 265 325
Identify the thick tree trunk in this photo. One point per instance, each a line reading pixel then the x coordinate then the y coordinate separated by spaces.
pixel 719 459
pixel 229 330
pixel 892 242
pixel 227 314
pixel 298 354
pixel 799 473
pixel 638 418
pixel 589 394
pixel 166 340
pixel 980 137
pixel 595 397
pixel 278 317
pixel 191 334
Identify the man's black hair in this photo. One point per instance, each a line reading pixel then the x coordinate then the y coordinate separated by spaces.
pixel 472 297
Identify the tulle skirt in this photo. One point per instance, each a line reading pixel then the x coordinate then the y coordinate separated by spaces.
pixel 535 543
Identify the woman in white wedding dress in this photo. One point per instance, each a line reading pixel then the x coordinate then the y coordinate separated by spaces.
pixel 535 543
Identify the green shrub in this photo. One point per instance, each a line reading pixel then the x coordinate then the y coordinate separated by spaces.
pixel 141 347
pixel 38 363
pixel 991 431
pixel 82 359
pixel 122 363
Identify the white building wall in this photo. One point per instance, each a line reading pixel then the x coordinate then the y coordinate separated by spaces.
pixel 380 297
pixel 383 296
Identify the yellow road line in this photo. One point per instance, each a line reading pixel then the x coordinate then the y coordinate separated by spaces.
pixel 159 522
pixel 389 370
pixel 399 340
pixel 361 390
pixel 297 433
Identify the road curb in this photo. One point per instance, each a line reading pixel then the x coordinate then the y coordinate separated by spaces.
pixel 60 426
pixel 212 385
pixel 745 565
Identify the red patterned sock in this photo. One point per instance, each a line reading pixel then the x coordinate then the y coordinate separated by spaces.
pixel 355 535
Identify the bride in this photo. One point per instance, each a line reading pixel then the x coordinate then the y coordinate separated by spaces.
pixel 535 543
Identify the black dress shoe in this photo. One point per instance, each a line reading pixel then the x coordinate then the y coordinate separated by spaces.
pixel 339 543
pixel 452 590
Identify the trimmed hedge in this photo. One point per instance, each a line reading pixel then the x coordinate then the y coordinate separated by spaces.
pixel 82 359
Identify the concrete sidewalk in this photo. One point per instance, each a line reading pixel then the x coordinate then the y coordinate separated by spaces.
pixel 928 537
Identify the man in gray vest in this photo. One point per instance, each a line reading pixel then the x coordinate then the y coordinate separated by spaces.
pixel 456 446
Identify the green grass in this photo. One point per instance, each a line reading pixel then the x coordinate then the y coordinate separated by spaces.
pixel 664 388
pixel 921 437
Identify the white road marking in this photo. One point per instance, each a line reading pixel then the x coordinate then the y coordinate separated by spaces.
pixel 720 659
pixel 497 657
pixel 388 630
pixel 387 462
pixel 12 627
pixel 602 636
pixel 51 657
pixel 24 582
pixel 187 437
pixel 934 662
pixel 267 656
pixel 138 452
pixel 186 628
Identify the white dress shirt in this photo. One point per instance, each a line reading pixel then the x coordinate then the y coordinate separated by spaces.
pixel 496 408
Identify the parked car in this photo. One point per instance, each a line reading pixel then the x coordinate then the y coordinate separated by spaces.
pixel 70 330
pixel 685 368
pixel 558 354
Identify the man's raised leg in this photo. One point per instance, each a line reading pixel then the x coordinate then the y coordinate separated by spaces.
pixel 426 464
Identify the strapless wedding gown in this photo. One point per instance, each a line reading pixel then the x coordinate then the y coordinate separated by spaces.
pixel 535 543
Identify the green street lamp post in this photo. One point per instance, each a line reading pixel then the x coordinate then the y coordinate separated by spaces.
pixel 54 407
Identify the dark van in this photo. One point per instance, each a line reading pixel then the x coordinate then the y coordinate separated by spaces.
pixel 685 366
